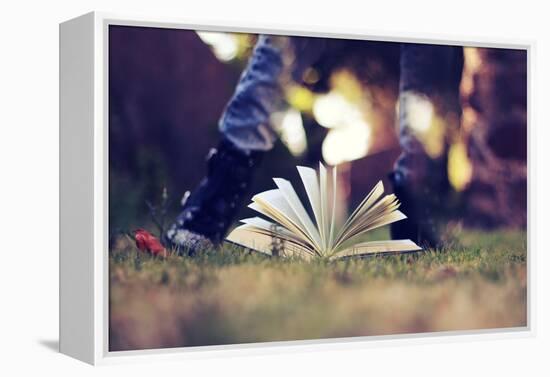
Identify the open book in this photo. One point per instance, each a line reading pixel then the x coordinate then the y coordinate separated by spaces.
pixel 292 231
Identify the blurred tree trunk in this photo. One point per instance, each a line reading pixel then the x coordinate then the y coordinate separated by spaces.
pixel 494 98
pixel 166 92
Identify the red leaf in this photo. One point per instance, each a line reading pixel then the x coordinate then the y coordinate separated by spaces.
pixel 145 241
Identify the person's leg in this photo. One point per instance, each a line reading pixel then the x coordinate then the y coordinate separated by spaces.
pixel 245 122
pixel 246 135
pixel 428 97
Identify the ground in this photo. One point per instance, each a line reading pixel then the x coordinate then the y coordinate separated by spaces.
pixel 228 296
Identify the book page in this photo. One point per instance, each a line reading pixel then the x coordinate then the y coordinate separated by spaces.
pixel 294 202
pixel 386 207
pixel 323 186
pixel 275 230
pixel 282 221
pixel 246 236
pixel 274 205
pixel 382 213
pixel 364 206
pixel 334 187
pixel 311 184
pixel 378 247
pixel 384 220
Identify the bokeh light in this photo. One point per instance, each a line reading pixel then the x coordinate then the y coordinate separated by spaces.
pixel 224 45
pixel 418 110
pixel 347 143
pixel 290 126
pixel 333 110
pixel 349 136
pixel 459 168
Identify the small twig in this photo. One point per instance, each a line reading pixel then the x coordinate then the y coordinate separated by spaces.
pixel 158 213
pixel 277 244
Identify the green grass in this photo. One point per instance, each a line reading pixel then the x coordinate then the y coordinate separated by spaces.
pixel 229 296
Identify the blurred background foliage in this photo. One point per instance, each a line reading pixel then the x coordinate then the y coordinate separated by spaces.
pixel 168 88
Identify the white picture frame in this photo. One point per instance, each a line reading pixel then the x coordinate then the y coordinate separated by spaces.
pixel 84 192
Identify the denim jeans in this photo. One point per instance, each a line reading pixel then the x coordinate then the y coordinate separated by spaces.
pixel 428 73
pixel 245 121
pixel 428 90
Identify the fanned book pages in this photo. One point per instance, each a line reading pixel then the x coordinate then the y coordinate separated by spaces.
pixel 291 231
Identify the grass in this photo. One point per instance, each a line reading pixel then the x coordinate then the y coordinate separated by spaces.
pixel 228 296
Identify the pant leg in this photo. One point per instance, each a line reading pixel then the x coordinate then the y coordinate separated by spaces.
pixel 428 97
pixel 245 121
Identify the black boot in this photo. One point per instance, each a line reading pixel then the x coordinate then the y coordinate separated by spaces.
pixel 419 226
pixel 211 209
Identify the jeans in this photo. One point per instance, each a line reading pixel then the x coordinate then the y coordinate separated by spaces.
pixel 428 93
pixel 245 121
pixel 429 79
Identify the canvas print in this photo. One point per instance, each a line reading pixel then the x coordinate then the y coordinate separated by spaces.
pixel 279 188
